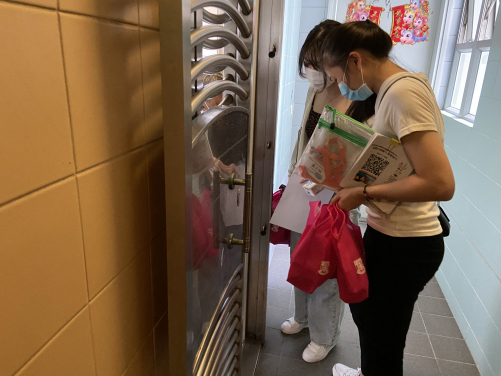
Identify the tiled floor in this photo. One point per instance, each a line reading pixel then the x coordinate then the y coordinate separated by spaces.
pixel 435 345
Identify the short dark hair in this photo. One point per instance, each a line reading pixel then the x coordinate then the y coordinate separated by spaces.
pixel 311 51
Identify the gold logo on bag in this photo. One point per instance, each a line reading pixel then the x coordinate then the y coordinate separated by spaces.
pixel 324 268
pixel 359 264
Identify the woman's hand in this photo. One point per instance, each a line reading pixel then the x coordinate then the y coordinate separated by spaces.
pixel 433 179
pixel 228 170
pixel 349 198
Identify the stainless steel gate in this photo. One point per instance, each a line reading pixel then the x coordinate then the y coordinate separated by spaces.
pixel 208 164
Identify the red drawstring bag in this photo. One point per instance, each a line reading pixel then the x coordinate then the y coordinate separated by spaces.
pixel 278 235
pixel 349 248
pixel 203 245
pixel 314 260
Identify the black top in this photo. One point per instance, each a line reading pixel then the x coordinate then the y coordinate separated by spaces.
pixel 312 122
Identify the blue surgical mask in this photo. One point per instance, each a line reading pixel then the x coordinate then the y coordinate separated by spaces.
pixel 361 94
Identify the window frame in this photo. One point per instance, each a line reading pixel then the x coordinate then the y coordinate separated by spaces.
pixel 476 48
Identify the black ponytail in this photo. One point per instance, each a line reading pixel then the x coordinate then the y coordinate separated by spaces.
pixel 362 110
pixel 353 36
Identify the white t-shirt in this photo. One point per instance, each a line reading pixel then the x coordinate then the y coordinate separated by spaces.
pixel 408 106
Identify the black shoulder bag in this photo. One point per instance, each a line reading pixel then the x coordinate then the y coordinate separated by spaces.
pixel 442 217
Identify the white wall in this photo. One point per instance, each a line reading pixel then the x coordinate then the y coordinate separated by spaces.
pixel 415 58
pixel 313 12
pixel 291 26
pixel 470 275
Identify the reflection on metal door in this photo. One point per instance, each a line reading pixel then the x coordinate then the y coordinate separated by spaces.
pixel 209 180
pixel 220 148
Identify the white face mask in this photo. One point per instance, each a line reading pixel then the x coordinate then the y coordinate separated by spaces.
pixel 317 79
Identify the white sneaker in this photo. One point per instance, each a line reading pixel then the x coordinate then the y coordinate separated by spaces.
pixel 341 370
pixel 315 353
pixel 291 326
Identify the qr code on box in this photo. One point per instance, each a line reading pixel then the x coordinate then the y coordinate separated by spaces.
pixel 375 165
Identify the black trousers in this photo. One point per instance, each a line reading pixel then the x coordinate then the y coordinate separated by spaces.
pixel 398 269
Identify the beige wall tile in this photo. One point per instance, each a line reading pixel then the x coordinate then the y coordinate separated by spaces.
pixel 42 3
pixel 156 177
pixel 115 216
pixel 120 10
pixel 69 353
pixel 162 346
pixel 122 317
pixel 42 271
pixel 148 13
pixel 35 135
pixel 152 83
pixel 159 272
pixel 143 363
pixel 103 68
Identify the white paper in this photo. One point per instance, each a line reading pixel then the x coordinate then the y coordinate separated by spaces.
pixel 294 206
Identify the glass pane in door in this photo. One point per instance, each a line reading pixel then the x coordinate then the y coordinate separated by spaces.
pixel 460 83
pixel 487 20
pixel 479 82
pixel 463 25
pixel 477 11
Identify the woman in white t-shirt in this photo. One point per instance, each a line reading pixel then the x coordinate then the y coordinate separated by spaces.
pixel 402 252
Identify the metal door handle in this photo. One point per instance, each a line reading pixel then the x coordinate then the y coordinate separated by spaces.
pixel 231 241
pixel 231 181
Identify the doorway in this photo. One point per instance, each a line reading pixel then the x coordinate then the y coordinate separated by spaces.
pixel 282 354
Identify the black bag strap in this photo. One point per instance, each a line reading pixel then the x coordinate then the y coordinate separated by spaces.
pixel 401 78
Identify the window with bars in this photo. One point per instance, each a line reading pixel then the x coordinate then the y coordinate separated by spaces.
pixel 476 29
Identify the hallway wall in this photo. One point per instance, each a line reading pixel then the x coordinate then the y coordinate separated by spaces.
pixel 415 58
pixel 288 62
pixel 312 13
pixel 82 210
pixel 470 275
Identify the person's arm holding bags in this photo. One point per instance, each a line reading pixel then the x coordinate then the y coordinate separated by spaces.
pixel 433 179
